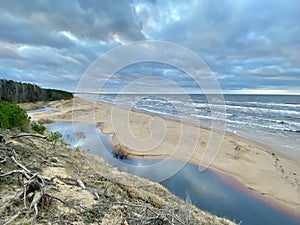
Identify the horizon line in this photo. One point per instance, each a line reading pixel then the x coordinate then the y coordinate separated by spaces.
pixel 177 93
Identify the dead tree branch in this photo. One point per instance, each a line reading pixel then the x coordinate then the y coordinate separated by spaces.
pixel 33 188
pixel 20 165
pixel 29 135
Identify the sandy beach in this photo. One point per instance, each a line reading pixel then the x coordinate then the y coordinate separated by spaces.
pixel 274 176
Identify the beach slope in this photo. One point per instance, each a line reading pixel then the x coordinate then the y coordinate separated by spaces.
pixel 46 183
pixel 270 174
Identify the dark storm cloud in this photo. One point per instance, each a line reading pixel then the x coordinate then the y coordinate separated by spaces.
pixel 60 38
pixel 226 31
pixel 218 25
pixel 247 44
pixel 40 22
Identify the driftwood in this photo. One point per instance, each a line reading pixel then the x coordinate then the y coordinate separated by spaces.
pixel 28 135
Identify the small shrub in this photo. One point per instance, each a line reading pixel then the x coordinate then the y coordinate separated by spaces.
pixel 13 116
pixel 54 137
pixel 38 128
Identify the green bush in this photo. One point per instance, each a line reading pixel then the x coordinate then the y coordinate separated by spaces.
pixel 54 137
pixel 38 128
pixel 12 116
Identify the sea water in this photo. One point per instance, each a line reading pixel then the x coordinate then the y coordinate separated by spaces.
pixel 273 120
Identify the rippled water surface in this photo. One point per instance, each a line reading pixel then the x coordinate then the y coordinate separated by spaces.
pixel 273 120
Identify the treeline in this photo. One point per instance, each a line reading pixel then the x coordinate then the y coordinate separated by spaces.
pixel 18 92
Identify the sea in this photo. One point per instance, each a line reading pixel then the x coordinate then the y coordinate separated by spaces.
pixel 273 120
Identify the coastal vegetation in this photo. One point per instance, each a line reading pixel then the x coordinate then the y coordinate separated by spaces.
pixel 18 92
pixel 13 116
pixel 37 127
pixel 54 137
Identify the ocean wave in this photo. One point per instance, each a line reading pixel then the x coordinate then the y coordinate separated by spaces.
pixel 256 109
pixel 282 122
pixel 247 124
pixel 291 130
pixel 205 106
pixel 265 104
pixel 271 117
pixel 266 126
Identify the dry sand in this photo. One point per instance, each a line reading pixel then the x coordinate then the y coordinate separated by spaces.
pixel 32 105
pixel 274 176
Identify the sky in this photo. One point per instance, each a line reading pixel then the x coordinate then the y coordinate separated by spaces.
pixel 250 46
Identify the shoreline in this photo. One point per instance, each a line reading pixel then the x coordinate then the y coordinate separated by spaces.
pixel 253 165
pixel 233 180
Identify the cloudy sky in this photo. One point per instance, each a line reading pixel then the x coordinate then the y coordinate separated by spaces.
pixel 251 46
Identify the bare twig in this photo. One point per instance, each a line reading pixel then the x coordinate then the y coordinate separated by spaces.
pixel 24 195
pixel 16 171
pixel 13 218
pixel 97 197
pixel 14 152
pixel 3 161
pixel 20 165
pixel 36 199
pixel 11 172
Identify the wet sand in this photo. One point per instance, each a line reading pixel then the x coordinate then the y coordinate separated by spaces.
pixel 274 176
